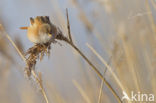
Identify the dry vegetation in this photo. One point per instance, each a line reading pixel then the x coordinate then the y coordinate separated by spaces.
pixel 120 57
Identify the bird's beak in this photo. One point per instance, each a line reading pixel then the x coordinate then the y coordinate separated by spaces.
pixel 49 34
pixel 23 28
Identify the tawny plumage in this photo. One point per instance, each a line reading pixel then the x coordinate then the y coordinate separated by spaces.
pixel 41 30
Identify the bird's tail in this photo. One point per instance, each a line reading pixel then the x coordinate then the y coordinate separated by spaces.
pixel 24 28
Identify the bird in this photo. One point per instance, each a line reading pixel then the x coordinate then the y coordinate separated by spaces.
pixel 41 30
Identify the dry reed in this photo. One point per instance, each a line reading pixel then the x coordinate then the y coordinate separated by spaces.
pixel 38 51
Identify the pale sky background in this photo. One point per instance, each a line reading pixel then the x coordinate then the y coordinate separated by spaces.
pixel 65 64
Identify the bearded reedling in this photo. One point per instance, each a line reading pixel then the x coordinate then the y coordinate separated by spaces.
pixel 42 33
pixel 41 30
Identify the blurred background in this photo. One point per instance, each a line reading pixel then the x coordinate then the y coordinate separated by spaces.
pixel 123 33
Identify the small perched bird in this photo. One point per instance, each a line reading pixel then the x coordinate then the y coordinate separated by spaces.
pixel 41 30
